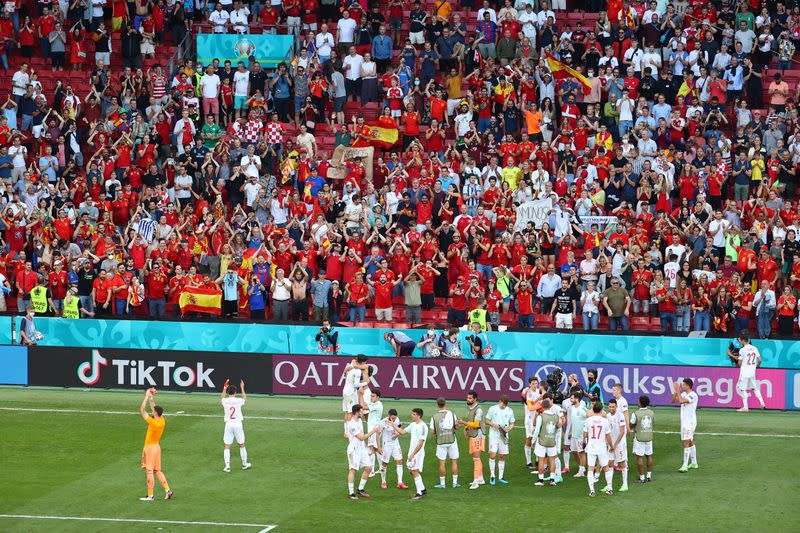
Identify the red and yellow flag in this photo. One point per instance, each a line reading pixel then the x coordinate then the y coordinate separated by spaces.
pixel 561 71
pixel 378 135
pixel 248 258
pixel 200 300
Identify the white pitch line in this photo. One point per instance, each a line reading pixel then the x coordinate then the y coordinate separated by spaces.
pixel 302 419
pixel 265 527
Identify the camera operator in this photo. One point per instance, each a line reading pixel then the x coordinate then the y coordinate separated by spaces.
pixel 593 390
pixel 327 339
pixel 478 341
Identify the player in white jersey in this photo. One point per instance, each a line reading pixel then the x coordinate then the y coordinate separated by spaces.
pixel 500 420
pixel 416 449
pixel 531 395
pixel 577 419
pixel 619 443
pixel 748 360
pixel 234 429
pixel 622 404
pixel 357 454
pixel 573 385
pixel 354 374
pixel 685 395
pixel 390 448
pixel 597 434
pixel 370 402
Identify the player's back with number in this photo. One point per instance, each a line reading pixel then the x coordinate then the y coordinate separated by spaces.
pixel 749 359
pixel 596 428
pixel 232 407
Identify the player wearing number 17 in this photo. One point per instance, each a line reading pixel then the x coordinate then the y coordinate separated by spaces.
pixel 151 453
pixel 234 423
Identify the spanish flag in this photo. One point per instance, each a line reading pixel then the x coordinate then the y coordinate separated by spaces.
pixel 200 300
pixel 561 71
pixel 248 258
pixel 380 135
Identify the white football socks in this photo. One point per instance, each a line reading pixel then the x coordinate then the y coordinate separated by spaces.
pixel 686 453
pixel 399 474
pixel 243 454
pixel 693 451
pixel 501 467
pixel 760 398
pixel 527 455
pixel 492 462
pixel 418 483
pixel 226 454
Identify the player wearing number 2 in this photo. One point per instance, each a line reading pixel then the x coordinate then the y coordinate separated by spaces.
pixel 234 428
pixel 748 359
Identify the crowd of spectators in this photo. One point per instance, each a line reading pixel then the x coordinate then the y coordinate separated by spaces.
pixel 683 140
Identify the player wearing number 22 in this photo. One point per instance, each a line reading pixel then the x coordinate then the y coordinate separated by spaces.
pixel 151 454
pixel 234 423
pixel 748 360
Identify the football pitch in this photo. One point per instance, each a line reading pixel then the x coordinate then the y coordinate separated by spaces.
pixel 69 461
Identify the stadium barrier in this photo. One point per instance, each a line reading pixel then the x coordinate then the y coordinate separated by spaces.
pixel 247 337
pixel 140 369
pixel 285 374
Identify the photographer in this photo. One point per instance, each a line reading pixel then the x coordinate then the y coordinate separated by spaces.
pixel 593 390
pixel 327 339
pixel 479 342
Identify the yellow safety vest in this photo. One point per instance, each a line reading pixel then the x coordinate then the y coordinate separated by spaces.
pixel 39 299
pixel 71 303
pixel 479 316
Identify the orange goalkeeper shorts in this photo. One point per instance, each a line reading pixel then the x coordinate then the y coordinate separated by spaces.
pixel 151 457
pixel 477 445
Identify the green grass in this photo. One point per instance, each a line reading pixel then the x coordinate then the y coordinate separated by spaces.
pixel 87 464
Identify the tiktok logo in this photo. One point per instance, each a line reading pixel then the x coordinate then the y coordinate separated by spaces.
pixel 89 371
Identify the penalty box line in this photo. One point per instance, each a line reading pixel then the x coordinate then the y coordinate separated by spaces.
pixel 305 419
pixel 264 527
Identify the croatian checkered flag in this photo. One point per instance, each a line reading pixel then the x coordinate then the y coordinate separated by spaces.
pixel 147 229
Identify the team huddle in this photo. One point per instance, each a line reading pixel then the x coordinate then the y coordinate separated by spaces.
pixel 559 429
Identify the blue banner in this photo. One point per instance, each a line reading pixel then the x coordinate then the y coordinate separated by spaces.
pixel 246 337
pixel 268 49
pixel 13 365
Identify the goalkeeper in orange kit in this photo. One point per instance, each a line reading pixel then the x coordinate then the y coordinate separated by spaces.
pixel 151 453
pixel 473 430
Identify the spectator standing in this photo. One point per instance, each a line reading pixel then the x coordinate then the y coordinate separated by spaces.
pixel 590 310
pixel 617 303
pixel 280 290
